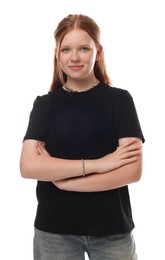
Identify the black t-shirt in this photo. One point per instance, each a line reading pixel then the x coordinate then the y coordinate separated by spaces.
pixel 83 125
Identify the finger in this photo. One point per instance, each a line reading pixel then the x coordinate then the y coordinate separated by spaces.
pixel 129 160
pixel 133 147
pixel 44 151
pixel 128 142
pixel 131 154
pixel 40 150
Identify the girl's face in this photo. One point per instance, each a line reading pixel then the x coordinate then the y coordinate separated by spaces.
pixel 77 55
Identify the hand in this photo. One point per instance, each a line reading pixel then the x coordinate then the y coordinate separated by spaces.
pixel 42 150
pixel 126 153
pixel 60 184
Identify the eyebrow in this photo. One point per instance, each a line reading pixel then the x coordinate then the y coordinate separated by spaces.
pixel 82 45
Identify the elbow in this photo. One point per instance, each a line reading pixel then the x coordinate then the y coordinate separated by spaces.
pixel 138 170
pixel 137 177
pixel 24 173
pixel 137 174
pixel 29 159
pixel 25 170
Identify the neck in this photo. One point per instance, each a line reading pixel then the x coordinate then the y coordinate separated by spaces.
pixel 68 87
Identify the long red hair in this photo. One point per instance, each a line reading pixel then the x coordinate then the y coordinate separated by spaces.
pixel 66 25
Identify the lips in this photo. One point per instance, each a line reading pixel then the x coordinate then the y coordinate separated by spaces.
pixel 75 67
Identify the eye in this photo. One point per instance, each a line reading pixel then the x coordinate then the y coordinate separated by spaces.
pixel 84 49
pixel 65 50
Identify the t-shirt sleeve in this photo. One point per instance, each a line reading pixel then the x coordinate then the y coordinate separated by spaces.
pixel 37 120
pixel 129 125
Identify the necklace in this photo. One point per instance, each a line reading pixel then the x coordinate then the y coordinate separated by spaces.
pixel 65 87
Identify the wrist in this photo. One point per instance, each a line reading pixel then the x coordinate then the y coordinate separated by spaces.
pixel 98 166
pixel 92 166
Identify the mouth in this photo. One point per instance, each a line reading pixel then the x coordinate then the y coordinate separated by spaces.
pixel 76 67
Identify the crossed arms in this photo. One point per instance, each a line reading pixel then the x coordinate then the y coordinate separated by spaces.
pixel 117 169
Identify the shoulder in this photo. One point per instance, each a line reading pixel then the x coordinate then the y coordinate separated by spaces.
pixel 43 100
pixel 116 93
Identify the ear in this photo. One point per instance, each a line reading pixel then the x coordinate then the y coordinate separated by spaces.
pixel 99 52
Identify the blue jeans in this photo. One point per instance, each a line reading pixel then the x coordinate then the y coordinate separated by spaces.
pixel 49 246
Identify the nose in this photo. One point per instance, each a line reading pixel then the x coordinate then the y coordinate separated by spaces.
pixel 75 56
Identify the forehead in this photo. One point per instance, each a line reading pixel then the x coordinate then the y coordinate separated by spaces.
pixel 77 36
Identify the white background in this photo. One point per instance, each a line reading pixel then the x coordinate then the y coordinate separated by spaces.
pixel 133 38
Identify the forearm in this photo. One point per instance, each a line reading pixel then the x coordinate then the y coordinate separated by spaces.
pixel 43 167
pixel 101 182
pixel 53 169
pixel 37 163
